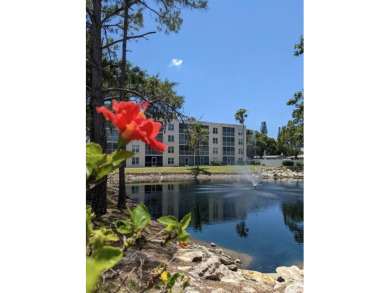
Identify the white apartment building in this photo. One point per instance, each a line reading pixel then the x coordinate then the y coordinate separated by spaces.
pixel 226 145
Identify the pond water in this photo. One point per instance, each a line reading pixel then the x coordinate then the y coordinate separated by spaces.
pixel 266 222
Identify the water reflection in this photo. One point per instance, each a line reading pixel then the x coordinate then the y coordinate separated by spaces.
pixel 293 218
pixel 222 202
pixel 242 230
pixel 266 222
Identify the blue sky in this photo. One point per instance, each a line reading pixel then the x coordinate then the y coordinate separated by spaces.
pixel 231 57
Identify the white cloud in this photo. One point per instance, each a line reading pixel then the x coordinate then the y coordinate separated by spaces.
pixel 176 62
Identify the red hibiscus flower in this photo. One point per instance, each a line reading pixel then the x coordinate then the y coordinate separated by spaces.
pixel 132 124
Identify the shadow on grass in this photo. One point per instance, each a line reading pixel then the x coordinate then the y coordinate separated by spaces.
pixel 197 171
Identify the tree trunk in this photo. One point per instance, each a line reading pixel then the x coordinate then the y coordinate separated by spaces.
pixel 89 194
pixel 99 198
pixel 98 135
pixel 198 157
pixel 122 185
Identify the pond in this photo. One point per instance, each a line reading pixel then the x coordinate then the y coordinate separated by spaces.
pixel 266 222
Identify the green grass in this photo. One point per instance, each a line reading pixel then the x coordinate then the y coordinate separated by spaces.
pixel 192 170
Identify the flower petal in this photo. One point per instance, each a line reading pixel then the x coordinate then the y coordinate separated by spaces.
pixel 157 145
pixel 106 113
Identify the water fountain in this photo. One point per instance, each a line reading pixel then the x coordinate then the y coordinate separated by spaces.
pixel 253 177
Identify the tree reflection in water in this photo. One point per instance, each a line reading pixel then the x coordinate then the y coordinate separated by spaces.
pixel 241 229
pixel 293 219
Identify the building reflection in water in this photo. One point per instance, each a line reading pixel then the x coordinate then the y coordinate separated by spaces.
pixel 217 203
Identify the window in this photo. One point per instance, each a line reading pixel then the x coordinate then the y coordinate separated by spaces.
pixel 240 151
pixel 135 148
pixel 171 138
pixel 215 130
pixel 215 159
pixel 170 161
pixel 171 187
pixel 135 189
pixel 171 127
pixel 240 132
pixel 215 151
pixel 228 131
pixel 111 146
pixel 228 151
pixel 215 140
pixel 240 141
pixel 228 141
pixel 135 160
pixel 171 150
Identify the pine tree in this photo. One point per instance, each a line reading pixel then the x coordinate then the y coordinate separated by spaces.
pixel 263 128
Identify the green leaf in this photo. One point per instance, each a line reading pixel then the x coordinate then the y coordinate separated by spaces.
pixel 92 274
pixel 107 257
pixel 173 279
pixel 117 157
pixel 167 220
pixel 89 169
pixel 124 227
pixel 96 159
pixel 170 227
pixel 140 217
pixel 109 234
pixel 185 221
pixel 104 170
pixel 184 236
pixel 94 148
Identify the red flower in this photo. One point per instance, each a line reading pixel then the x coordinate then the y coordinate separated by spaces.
pixel 132 124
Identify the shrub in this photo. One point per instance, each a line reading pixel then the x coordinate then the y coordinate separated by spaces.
pixel 287 163
pixel 300 164
pixel 216 163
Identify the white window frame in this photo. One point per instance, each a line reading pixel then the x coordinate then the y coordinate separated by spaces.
pixel 133 159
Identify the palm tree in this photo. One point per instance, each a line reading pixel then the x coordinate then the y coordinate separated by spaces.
pixel 197 135
pixel 240 117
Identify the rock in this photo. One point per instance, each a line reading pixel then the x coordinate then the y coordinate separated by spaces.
pixel 210 269
pixel 219 251
pixel 185 268
pixel 248 290
pixel 220 290
pixel 294 288
pixel 232 267
pixel 292 273
pixel 225 260
pixel 258 277
pixel 237 260
pixel 190 255
pixel 213 244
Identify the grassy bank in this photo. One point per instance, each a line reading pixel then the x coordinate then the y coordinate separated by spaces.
pixel 191 170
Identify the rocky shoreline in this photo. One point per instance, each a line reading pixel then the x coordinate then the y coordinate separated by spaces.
pixel 264 174
pixel 209 268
